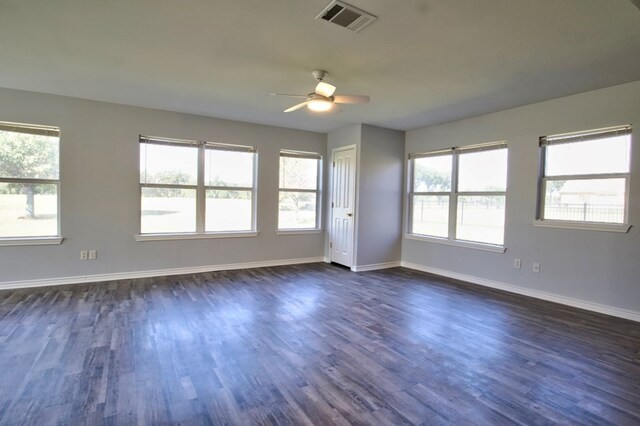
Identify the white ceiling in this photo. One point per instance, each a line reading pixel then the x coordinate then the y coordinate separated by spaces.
pixel 422 62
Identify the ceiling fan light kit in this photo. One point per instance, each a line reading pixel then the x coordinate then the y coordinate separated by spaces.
pixel 322 99
pixel 319 105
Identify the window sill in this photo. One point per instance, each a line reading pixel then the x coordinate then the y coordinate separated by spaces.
pixel 606 227
pixel 457 243
pixel 28 241
pixel 194 236
pixel 298 231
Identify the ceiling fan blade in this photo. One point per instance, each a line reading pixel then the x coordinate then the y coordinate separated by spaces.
pixel 288 95
pixel 325 89
pixel 296 107
pixel 351 99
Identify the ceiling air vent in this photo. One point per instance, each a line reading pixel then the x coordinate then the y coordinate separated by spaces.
pixel 346 16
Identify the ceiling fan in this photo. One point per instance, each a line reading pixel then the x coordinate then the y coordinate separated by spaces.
pixel 322 99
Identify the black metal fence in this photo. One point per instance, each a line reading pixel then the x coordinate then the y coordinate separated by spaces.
pixel 585 212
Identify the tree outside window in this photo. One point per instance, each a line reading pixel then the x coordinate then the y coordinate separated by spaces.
pixel 29 173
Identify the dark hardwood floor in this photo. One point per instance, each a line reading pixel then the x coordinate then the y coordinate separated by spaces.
pixel 310 344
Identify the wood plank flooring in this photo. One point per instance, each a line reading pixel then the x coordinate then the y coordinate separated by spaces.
pixel 309 344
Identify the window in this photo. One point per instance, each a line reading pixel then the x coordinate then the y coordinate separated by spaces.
pixel 196 187
pixel 299 200
pixel 459 193
pixel 29 181
pixel 585 176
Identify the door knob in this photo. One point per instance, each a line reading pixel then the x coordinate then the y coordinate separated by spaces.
pixel 349 214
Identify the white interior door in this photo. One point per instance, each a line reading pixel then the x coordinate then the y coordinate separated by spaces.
pixel 343 197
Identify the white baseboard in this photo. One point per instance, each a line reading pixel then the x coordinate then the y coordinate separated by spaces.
pixel 375 266
pixel 578 303
pixel 152 273
pixel 564 300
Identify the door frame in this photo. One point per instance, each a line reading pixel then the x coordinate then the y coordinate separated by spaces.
pixel 355 202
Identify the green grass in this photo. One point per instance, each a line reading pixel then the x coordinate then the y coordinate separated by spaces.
pixel 15 223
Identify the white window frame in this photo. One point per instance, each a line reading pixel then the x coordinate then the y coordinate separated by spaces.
pixel 201 191
pixel 41 130
pixel 318 192
pixel 581 136
pixel 453 195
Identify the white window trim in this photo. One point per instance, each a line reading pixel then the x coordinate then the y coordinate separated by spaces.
pixel 39 239
pixel 586 135
pixel 30 241
pixel 587 226
pixel 194 236
pixel 201 189
pixel 318 191
pixel 453 195
pixel 298 231
pixel 457 243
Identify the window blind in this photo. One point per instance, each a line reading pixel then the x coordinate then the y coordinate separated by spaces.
pixel 300 154
pixel 462 150
pixel 165 141
pixel 32 129
pixel 591 135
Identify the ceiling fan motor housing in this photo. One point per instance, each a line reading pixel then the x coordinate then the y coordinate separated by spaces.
pixel 318 96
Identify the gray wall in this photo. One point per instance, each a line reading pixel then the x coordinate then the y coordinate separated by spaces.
pixel 379 187
pixel 99 189
pixel 379 233
pixel 598 267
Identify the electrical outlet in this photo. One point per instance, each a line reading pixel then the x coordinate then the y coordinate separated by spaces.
pixel 93 254
pixel 83 255
pixel 536 268
pixel 517 263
